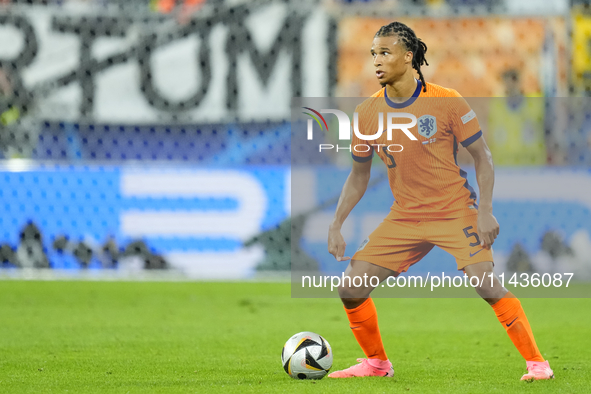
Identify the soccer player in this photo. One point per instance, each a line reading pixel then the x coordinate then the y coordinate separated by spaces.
pixel 434 204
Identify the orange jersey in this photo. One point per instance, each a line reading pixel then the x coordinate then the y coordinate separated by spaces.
pixel 424 176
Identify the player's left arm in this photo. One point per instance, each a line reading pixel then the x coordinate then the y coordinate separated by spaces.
pixel 488 227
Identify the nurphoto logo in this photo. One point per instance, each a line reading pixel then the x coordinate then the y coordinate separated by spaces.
pixel 345 129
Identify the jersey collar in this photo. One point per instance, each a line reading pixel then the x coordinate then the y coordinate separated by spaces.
pixel 408 102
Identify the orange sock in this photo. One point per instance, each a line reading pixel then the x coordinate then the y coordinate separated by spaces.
pixel 364 324
pixel 512 317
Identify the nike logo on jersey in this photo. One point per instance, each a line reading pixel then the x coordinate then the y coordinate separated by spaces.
pixel 352 328
pixel 475 253
pixel 509 324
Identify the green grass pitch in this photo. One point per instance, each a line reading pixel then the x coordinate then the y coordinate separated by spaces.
pixel 146 337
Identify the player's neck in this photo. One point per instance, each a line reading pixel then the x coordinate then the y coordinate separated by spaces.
pixel 402 89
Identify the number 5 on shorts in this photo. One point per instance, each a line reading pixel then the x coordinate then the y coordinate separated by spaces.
pixel 468 235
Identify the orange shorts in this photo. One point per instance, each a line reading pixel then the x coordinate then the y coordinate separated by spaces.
pixel 397 244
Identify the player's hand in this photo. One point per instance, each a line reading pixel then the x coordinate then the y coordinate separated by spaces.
pixel 337 245
pixel 488 229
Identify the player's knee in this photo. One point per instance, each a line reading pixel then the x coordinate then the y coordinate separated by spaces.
pixel 490 289
pixel 347 292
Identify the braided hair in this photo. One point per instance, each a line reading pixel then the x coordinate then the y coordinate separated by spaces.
pixel 411 43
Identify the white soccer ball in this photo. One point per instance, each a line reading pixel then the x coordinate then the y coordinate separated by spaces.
pixel 306 355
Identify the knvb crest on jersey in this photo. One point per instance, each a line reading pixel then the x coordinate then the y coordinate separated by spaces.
pixel 427 126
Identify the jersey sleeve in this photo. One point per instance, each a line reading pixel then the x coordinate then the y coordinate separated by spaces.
pixel 463 121
pixel 361 150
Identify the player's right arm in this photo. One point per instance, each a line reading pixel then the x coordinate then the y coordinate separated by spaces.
pixel 354 189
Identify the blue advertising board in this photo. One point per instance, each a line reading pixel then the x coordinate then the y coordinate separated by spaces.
pixel 198 219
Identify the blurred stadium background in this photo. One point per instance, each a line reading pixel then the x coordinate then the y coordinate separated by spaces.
pixel 156 135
